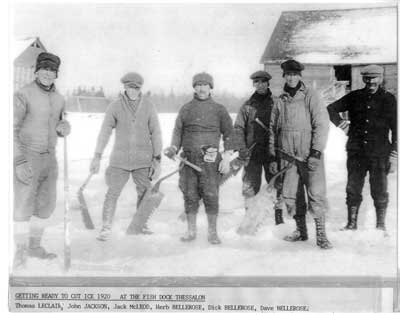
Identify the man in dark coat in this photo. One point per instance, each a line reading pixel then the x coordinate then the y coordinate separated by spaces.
pixel 372 114
pixel 251 128
pixel 198 130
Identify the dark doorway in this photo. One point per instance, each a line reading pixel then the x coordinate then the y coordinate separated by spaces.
pixel 343 73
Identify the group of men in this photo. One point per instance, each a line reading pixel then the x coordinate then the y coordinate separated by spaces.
pixel 287 134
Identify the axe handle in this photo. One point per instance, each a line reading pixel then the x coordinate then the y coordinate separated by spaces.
pixel 274 178
pixel 189 164
pixel 86 182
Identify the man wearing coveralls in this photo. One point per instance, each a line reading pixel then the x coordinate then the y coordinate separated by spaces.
pixel 372 113
pixel 198 129
pixel 38 121
pixel 299 128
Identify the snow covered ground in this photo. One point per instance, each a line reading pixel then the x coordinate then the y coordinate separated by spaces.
pixel 365 252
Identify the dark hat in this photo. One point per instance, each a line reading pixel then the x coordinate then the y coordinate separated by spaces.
pixel 292 66
pixel 204 78
pixel 261 75
pixel 47 60
pixel 372 71
pixel 132 79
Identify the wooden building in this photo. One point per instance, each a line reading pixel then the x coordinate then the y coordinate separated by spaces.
pixel 25 53
pixel 334 45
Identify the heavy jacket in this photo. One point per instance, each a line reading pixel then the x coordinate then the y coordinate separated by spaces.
pixel 201 123
pixel 299 123
pixel 371 116
pixel 36 115
pixel 137 133
pixel 247 130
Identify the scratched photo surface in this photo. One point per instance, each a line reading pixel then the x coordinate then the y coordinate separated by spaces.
pixel 168 44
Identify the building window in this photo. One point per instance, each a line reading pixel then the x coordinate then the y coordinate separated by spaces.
pixel 343 74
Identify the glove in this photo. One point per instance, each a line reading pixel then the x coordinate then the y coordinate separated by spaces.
pixel 170 152
pixel 24 172
pixel 225 164
pixel 273 168
pixel 313 160
pixel 95 164
pixel 344 125
pixel 63 128
pixel 392 162
pixel 244 154
pixel 155 168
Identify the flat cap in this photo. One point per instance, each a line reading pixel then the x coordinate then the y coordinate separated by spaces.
pixel 204 78
pixel 372 71
pixel 47 60
pixel 261 75
pixel 132 79
pixel 292 66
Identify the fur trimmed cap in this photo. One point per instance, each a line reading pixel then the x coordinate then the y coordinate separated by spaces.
pixel 47 60
pixel 292 66
pixel 204 78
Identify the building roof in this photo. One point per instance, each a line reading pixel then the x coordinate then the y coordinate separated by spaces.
pixel 351 36
pixel 25 51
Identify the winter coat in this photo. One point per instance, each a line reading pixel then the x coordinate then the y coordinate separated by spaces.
pixel 299 123
pixel 36 115
pixel 247 131
pixel 137 133
pixel 201 123
pixel 371 116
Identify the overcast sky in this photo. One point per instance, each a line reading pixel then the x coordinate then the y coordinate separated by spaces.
pixel 166 43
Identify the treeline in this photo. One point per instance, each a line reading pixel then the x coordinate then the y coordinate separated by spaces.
pixel 165 103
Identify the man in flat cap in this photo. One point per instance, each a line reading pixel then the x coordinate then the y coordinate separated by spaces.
pixel 251 130
pixel 372 113
pixel 198 130
pixel 38 121
pixel 299 129
pixel 137 148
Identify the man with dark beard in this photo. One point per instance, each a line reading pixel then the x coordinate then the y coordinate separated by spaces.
pixel 372 113
pixel 251 129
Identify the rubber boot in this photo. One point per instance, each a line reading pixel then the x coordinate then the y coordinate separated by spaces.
pixel 192 228
pixel 212 229
pixel 322 240
pixel 278 217
pixel 380 218
pixel 300 234
pixel 37 251
pixel 352 214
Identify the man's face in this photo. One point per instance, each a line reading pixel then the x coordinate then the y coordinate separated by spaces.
pixel 292 79
pixel 261 85
pixel 46 76
pixel 202 90
pixel 372 83
pixel 132 91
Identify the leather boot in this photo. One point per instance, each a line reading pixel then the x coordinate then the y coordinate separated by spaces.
pixel 278 217
pixel 322 240
pixel 20 256
pixel 300 234
pixel 35 250
pixel 380 218
pixel 352 214
pixel 192 228
pixel 212 229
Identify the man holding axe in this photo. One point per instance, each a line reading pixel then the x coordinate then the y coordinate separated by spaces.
pixel 198 129
pixel 38 121
pixel 137 148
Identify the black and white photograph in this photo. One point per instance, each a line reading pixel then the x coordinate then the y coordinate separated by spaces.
pixel 216 157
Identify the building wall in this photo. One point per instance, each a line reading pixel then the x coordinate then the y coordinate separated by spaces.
pixel 22 76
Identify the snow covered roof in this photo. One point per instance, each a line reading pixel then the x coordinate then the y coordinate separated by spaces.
pixel 25 51
pixel 351 36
